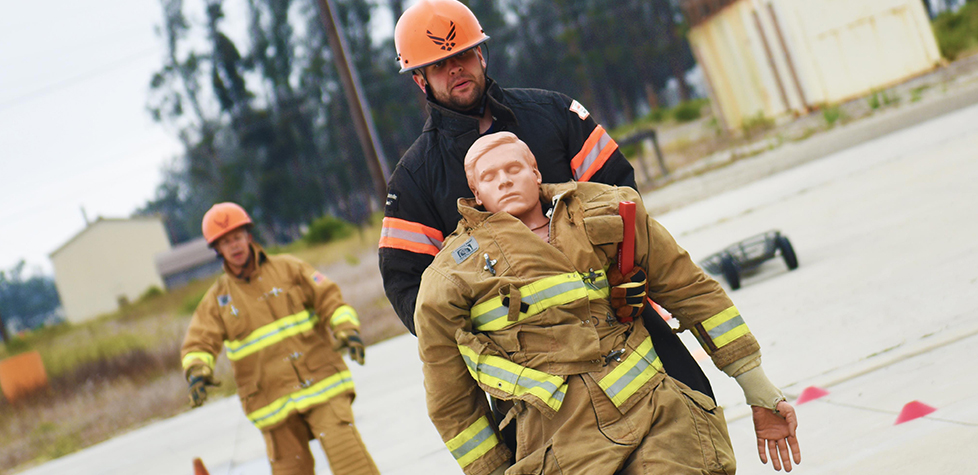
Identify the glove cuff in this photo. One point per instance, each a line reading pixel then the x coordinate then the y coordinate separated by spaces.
pixel 758 390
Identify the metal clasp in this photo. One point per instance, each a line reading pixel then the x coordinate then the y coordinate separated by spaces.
pixel 614 355
pixel 490 263
pixel 591 278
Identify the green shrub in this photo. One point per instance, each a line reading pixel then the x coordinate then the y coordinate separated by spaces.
pixel 688 111
pixel 657 115
pixel 756 123
pixel 957 33
pixel 832 115
pixel 326 229
pixel 150 293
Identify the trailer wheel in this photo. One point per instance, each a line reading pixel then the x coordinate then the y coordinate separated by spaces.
pixel 730 272
pixel 787 252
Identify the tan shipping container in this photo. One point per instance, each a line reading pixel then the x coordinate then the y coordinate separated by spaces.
pixel 774 57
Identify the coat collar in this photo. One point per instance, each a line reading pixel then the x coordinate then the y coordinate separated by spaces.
pixel 462 130
pixel 474 215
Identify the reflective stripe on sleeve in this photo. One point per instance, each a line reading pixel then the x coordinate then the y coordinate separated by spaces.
pixel 342 315
pixel 203 357
pixel 303 399
pixel 270 334
pixel 474 442
pixel 553 291
pixel 720 329
pixel 511 378
pixel 637 369
pixel 410 236
pixel 596 150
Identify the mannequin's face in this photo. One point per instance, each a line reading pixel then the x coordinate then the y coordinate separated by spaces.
pixel 504 181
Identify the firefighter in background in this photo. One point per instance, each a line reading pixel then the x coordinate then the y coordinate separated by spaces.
pixel 518 305
pixel 274 315
pixel 440 42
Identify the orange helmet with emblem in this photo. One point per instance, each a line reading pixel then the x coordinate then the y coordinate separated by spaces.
pixel 223 218
pixel 432 30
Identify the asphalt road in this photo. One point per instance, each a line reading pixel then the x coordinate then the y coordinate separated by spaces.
pixel 882 311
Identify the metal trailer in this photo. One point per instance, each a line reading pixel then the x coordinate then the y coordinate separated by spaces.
pixel 747 255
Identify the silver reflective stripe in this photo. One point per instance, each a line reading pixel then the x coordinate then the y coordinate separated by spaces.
pixel 483 435
pixel 718 331
pixel 515 379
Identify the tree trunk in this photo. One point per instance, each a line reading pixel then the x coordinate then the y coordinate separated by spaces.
pixel 3 330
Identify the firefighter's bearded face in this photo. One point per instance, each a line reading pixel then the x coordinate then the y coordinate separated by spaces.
pixel 235 247
pixel 457 82
pixel 504 180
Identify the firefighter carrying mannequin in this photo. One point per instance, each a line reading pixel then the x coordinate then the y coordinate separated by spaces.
pixel 517 305
pixel 273 314
pixel 442 45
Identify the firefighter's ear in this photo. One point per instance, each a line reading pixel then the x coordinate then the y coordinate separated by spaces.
pixel 419 80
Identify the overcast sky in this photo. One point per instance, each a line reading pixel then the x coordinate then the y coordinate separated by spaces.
pixel 73 128
pixel 74 132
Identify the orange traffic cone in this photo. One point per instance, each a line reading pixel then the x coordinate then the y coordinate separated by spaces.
pixel 199 467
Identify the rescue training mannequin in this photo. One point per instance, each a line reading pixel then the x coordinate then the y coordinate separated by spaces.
pixel 274 315
pixel 517 305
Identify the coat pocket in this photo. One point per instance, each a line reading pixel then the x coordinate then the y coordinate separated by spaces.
pixel 604 229
pixel 540 462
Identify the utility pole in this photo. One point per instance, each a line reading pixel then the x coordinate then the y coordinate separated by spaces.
pixel 359 109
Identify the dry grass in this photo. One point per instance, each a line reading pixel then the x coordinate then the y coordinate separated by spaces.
pixel 122 371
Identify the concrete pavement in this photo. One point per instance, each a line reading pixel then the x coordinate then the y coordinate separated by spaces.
pixel 881 312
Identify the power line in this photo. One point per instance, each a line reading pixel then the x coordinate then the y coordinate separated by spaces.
pixel 43 91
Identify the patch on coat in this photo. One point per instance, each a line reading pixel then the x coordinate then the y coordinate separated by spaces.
pixel 578 109
pixel 463 252
pixel 318 277
pixel 223 300
pixel 391 203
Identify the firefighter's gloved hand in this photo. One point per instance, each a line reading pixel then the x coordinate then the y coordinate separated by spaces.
pixel 199 377
pixel 627 292
pixel 350 339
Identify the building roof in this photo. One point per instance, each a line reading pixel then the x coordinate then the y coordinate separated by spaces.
pixel 184 256
pixel 698 11
pixel 98 221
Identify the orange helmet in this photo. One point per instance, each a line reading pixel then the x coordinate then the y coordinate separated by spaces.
pixel 432 30
pixel 223 218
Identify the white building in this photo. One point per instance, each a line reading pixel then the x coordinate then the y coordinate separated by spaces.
pixel 108 264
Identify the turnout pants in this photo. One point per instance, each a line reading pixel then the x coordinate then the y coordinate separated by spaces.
pixel 332 424
pixel 673 430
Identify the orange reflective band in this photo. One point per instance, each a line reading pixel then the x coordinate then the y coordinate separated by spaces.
pixel 410 236
pixel 596 150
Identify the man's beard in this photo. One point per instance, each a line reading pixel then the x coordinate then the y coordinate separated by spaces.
pixel 470 104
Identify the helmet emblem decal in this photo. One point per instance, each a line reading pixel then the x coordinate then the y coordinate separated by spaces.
pixel 446 43
pixel 222 223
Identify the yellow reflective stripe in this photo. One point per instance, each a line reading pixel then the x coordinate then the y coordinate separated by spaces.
pixel 545 293
pixel 270 334
pixel 509 377
pixel 474 442
pixel 344 314
pixel 722 328
pixel 203 357
pixel 637 369
pixel 302 399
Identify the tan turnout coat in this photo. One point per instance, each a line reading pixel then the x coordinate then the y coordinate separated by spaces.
pixel 501 311
pixel 274 328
